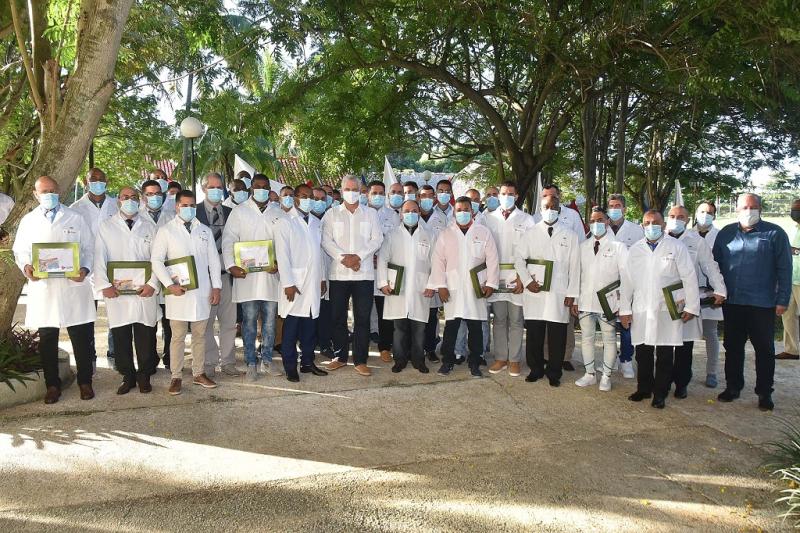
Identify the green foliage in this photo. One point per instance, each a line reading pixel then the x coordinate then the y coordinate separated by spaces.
pixel 19 355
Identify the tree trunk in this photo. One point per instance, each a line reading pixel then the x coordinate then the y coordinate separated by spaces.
pixel 589 161
pixel 622 126
pixel 63 149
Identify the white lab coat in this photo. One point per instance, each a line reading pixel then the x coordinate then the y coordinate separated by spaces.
pixel 563 249
pixel 93 215
pixel 56 302
pixel 173 241
pixel 454 255
pixel 648 272
pixel 708 275
pixel 628 233
pixel 249 224
pixel 163 218
pixel 389 220
pixel 709 313
pixel 507 234
pixel 297 247
pixel 413 253
pixel 568 218
pixel 115 242
pixel 356 233
pixel 600 270
pixel 440 220
pixel 6 205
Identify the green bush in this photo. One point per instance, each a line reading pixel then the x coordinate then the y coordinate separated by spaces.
pixel 785 465
pixel 19 355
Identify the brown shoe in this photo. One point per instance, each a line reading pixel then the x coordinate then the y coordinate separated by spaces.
pixel 334 364
pixel 386 356
pixel 125 388
pixel 204 381
pixel 497 366
pixel 52 396
pixel 363 370
pixel 513 369
pixel 86 391
pixel 787 355
pixel 144 384
pixel 175 387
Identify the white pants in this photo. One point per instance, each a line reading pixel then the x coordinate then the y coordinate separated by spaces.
pixel 225 312
pixel 791 337
pixel 589 323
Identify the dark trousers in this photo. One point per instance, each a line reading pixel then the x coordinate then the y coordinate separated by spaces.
pixel 430 330
pixel 409 336
pixel 385 327
pixel 657 383
pixel 743 322
pixel 324 325
pixel 81 337
pixel 474 340
pixel 682 369
pixel 144 337
pixel 625 345
pixel 556 332
pixel 304 329
pixel 340 293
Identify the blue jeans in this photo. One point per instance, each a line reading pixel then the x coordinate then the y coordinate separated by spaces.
pixel 269 312
pixel 625 346
pixel 461 339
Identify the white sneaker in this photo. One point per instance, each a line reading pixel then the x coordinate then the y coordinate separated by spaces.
pixel 586 380
pixel 627 370
pixel 252 373
pixel 273 368
pixel 605 383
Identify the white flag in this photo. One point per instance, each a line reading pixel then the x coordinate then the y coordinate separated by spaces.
pixel 276 186
pixel 537 201
pixel 388 174
pixel 240 164
pixel 678 195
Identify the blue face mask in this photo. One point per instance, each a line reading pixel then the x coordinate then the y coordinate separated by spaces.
pixel 241 196
pixel 676 226
pixel 463 217
pixel 328 201
pixel 287 201
pixel 492 203
pixel 97 187
pixel 305 204
pixel 318 207
pixel 129 207
pixel 336 203
pixel 214 195
pixel 377 200
pixel 274 205
pixel 247 182
pixel 549 215
pixel 598 229
pixel 187 214
pixel 163 184
pixel 443 197
pixel 615 214
pixel 411 196
pixel 48 200
pixel 410 219
pixel 155 202
pixel 506 201
pixel 260 195
pixel 652 232
pixel 362 199
pixel 395 200
pixel 476 206
pixel 426 204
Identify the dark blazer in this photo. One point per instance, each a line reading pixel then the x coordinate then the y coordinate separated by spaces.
pixel 203 217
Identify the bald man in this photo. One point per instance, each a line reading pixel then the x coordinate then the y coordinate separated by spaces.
pixel 791 331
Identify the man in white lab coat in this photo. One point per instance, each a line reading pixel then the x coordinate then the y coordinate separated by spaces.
pixel 257 292
pixel 547 309
pixel 395 197
pixel 459 249
pixel 351 235
pixel 654 263
pixel 303 280
pixel 321 204
pixel 287 199
pixel 443 212
pixel 491 200
pixel 409 246
pixel 128 236
pixel 507 224
pixel 185 236
pixel 706 270
pixel 238 193
pixel 427 199
pixel 54 303
pixel 603 263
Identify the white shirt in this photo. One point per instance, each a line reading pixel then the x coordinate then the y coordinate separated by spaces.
pixel 507 234
pixel 628 233
pixel 600 270
pixel 413 253
pixel 440 220
pixel 356 233
pixel 92 215
pixel 570 219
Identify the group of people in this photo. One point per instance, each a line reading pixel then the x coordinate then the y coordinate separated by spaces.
pixel 522 280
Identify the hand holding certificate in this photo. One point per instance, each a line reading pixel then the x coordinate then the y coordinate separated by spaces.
pixel 394 274
pixel 508 279
pixel 128 277
pixel 541 270
pixel 255 256
pixel 183 272
pixel 55 260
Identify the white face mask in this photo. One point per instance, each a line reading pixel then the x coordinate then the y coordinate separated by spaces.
pixel 549 215
pixel 598 229
pixel 351 197
pixel 675 226
pixel 749 217
pixel 704 219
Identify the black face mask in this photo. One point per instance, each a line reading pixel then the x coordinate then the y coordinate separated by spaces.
pixel 796 215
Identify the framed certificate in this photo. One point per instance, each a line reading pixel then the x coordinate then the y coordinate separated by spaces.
pixel 394 274
pixel 609 300
pixel 478 277
pixel 541 270
pixel 183 272
pixel 508 278
pixel 707 298
pixel 55 259
pixel 675 300
pixel 254 256
pixel 128 277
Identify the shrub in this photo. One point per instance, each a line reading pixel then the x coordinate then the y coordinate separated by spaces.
pixel 785 465
pixel 19 355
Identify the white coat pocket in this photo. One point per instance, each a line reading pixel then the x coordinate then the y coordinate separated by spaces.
pixel 366 230
pixel 423 251
pixel 477 248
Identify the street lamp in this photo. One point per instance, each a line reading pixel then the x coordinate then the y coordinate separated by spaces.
pixel 191 129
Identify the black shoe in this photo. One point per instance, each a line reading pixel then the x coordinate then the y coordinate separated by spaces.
pixel 445 369
pixel 681 393
pixel 475 371
pixel 397 367
pixel 765 402
pixel 293 376
pixel 566 365
pixel 125 388
pixel 658 403
pixel 423 369
pixel 533 377
pixel 374 338
pixel 554 382
pixel 314 369
pixel 482 361
pixel 278 349
pixel 639 396
pixel 460 360
pixel 432 357
pixel 728 395
pixel 144 384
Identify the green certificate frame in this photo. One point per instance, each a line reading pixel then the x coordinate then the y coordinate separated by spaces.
pixel 246 263
pixel 548 272
pixel 126 288
pixel 476 284
pixel 398 280
pixel 189 273
pixel 503 288
pixel 46 253
pixel 669 298
pixel 602 295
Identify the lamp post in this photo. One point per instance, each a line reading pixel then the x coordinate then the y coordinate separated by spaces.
pixel 191 129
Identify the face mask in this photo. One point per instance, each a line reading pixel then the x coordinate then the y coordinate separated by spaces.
pixel 163 184
pixel 154 202
pixel 463 217
pixel 395 200
pixel 410 219
pixel 97 187
pixel 675 226
pixel 492 203
pixel 259 195
pixel 443 197
pixel 242 196
pixel 426 204
pixel 652 232
pixel 336 203
pixel 171 196
pixel 328 201
pixel 704 219
pixel 598 229
pixel 377 200
pixel 305 204
pixel 549 215
pixel 795 213
pixel 187 213
pixel 129 207
pixel 362 199
pixel 615 214
pixel 48 200
pixel 411 196
pixel 274 205
pixel 476 206
pixel 214 195
pixel 287 201
pixel 319 207
pixel 506 201
pixel 247 182
pixel 351 197
pixel 749 217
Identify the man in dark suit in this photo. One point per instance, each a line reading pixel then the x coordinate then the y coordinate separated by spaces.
pixel 213 214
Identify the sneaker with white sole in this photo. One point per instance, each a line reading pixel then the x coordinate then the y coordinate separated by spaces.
pixel 231 370
pixel 252 373
pixel 274 368
pixel 586 380
pixel 605 383
pixel 627 370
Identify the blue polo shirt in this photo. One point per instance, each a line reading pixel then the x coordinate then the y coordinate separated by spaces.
pixel 756 265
